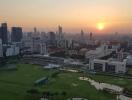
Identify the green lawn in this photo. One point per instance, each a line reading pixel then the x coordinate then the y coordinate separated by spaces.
pixel 129 70
pixel 14 84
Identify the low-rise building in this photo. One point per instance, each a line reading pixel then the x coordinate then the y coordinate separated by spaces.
pixel 12 51
pixel 129 60
pixel 99 52
pixel 114 45
pixel 110 65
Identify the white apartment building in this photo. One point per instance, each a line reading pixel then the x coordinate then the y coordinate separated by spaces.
pixel 12 51
pixel 43 48
pixel 98 52
pixel 104 50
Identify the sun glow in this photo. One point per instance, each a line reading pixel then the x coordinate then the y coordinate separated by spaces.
pixel 100 26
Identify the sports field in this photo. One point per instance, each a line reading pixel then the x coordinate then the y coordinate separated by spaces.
pixel 14 85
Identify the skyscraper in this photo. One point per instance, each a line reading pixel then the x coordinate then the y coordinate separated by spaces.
pixel 82 37
pixel 60 29
pixel 35 30
pixel 4 33
pixel 82 33
pixel 1 50
pixel 91 35
pixel 60 32
pixel 16 34
pixel 52 38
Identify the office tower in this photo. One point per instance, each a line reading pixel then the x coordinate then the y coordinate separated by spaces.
pixel 43 50
pixel 9 36
pixel 0 33
pixel 4 33
pixel 91 36
pixel 16 34
pixel 35 33
pixel 60 32
pixel 29 34
pixel 1 49
pixel 52 38
pixel 60 29
pixel 43 36
pixel 82 37
pixel 36 43
pixel 35 30
pixel 82 33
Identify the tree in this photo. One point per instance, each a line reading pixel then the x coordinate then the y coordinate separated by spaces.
pixel 46 94
pixel 56 93
pixel 33 94
pixel 33 91
pixel 63 94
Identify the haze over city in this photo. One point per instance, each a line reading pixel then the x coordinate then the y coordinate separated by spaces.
pixel 98 16
pixel 65 49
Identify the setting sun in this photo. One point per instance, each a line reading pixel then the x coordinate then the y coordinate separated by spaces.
pixel 100 26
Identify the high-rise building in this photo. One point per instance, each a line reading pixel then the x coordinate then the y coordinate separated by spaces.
pixel 35 33
pixel 36 45
pixel 16 34
pixel 52 38
pixel 60 29
pixel 43 50
pixel 4 33
pixel 82 33
pixel 0 34
pixel 60 33
pixel 91 36
pixel 29 34
pixel 1 49
pixel 35 30
pixel 82 37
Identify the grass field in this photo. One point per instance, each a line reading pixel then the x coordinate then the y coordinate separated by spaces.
pixel 123 82
pixel 130 71
pixel 14 84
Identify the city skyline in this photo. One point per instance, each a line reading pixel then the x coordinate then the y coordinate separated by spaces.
pixel 99 16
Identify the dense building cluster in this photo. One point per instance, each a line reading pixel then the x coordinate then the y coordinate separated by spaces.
pixel 99 53
pixel 10 42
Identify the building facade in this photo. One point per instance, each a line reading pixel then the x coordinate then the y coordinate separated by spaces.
pixel 52 38
pixel 60 33
pixel 43 50
pixel 1 49
pixel 4 33
pixel 12 50
pixel 16 34
pixel 112 66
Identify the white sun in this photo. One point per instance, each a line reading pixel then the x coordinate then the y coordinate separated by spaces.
pixel 100 26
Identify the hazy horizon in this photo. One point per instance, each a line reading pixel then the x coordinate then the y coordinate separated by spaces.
pixel 73 15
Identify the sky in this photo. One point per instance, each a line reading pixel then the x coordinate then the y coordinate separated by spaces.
pixel 72 15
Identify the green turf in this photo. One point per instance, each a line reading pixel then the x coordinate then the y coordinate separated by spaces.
pixel 130 71
pixel 14 84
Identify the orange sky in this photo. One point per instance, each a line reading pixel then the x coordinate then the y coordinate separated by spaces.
pixel 73 15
